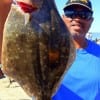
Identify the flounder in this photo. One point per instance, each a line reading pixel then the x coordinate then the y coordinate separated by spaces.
pixel 37 48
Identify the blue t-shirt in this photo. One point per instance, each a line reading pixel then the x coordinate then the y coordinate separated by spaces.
pixel 82 81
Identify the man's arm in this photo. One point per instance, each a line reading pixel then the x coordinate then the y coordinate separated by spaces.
pixel 4 9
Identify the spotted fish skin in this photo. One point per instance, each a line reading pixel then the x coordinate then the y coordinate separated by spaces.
pixel 37 49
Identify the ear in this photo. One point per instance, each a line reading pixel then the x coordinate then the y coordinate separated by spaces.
pixel 92 19
pixel 63 17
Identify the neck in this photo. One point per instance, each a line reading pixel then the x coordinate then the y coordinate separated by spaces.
pixel 80 44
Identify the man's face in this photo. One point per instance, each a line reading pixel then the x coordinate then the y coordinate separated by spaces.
pixel 78 26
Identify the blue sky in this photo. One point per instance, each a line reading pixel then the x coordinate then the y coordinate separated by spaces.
pixel 96 7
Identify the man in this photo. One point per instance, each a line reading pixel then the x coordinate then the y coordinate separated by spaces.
pixel 82 81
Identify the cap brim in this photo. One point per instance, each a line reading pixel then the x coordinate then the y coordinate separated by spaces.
pixel 68 5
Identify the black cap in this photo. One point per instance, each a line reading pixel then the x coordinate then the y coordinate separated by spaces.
pixel 84 3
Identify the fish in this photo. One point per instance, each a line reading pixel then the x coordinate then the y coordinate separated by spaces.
pixel 37 48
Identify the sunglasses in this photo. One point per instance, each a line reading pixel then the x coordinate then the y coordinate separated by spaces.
pixel 83 14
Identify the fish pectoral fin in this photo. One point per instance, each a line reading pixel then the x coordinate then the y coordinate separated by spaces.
pixel 27 18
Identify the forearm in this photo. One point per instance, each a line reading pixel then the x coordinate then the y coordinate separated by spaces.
pixel 4 9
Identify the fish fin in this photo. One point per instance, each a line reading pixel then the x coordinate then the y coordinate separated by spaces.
pixel 27 18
